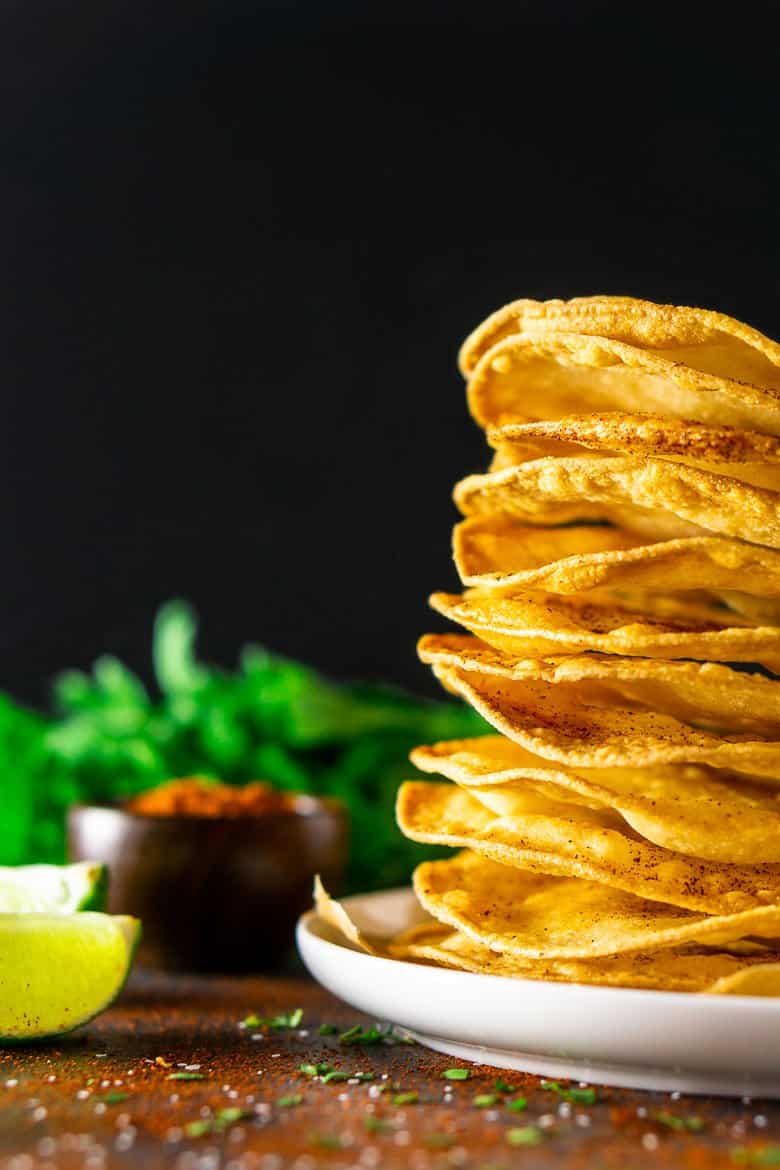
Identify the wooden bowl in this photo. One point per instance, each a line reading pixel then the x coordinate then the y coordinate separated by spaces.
pixel 216 894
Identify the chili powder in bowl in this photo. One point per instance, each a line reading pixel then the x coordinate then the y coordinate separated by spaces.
pixel 217 874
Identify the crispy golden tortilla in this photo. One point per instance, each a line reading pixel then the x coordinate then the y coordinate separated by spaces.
pixel 534 916
pixel 705 695
pixel 654 497
pixel 698 338
pixel 685 808
pixel 556 725
pixel 693 968
pixel 527 625
pixel 583 847
pixel 544 376
pixel 744 455
pixel 499 552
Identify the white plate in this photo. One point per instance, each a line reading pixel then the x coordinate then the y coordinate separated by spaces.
pixel 726 1045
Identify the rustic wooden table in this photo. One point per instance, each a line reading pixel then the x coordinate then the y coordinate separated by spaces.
pixel 170 1078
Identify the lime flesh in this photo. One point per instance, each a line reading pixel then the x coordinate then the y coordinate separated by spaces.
pixel 59 970
pixel 53 889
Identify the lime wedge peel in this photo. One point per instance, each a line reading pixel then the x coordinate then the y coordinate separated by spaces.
pixel 57 971
pixel 53 889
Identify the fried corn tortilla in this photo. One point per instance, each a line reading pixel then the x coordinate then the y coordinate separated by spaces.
pixel 698 338
pixel 544 624
pixel 552 843
pixel 686 808
pixel 558 724
pixel 499 552
pixel 693 968
pixel 705 695
pixel 534 916
pixel 744 455
pixel 550 375
pixel 654 497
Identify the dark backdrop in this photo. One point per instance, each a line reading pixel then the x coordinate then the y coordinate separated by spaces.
pixel 240 245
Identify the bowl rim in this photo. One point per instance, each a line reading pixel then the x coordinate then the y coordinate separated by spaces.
pixel 308 807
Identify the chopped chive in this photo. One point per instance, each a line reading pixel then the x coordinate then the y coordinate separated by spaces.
pixel 439 1141
pixel 576 1096
pixel 767 1156
pixel 327 1141
pixel 361 1076
pixel 672 1121
pixel 356 1035
pixel 581 1096
pixel 222 1119
pixel 114 1098
pixel 502 1087
pixel 314 1070
pixel 456 1074
pixel 230 1114
pixel 185 1076
pixel 335 1074
pixel 290 1100
pixel 276 1023
pixel 525 1135
pixel 406 1098
pixel 517 1105
pixel 285 1020
pixel 377 1124
pixel 196 1129
pixel 327 1030
pixel 485 1100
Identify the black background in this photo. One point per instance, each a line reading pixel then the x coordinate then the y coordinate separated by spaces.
pixel 240 244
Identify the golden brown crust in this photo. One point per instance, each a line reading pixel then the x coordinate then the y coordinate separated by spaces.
pixel 653 496
pixel 586 848
pixel 529 377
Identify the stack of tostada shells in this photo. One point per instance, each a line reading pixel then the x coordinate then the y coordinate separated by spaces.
pixel 621 607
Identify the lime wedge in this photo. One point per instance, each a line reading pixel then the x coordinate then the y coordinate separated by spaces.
pixel 59 970
pixel 53 889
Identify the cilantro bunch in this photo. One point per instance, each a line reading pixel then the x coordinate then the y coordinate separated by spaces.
pixel 270 719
